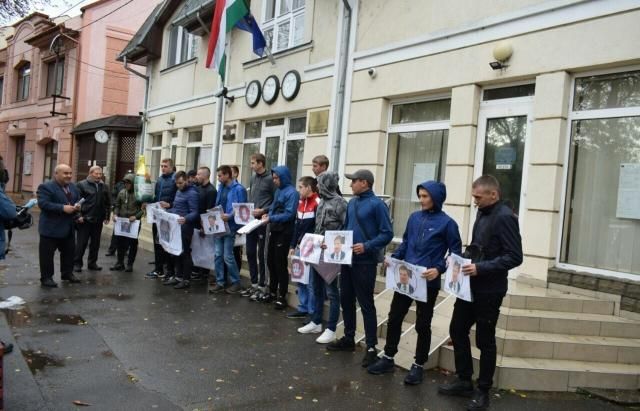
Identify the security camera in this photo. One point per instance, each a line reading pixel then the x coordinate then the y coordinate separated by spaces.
pixel 221 93
pixel 372 72
pixel 141 113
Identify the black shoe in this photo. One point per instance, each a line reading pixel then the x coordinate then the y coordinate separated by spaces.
pixel 370 357
pixel 281 304
pixel 48 283
pixel 296 315
pixel 382 366
pixel 117 267
pixel 217 288
pixel 7 348
pixel 233 289
pixel 94 268
pixel 129 268
pixel 458 388
pixel 151 274
pixel 415 375
pixel 181 285
pixel 267 298
pixel 71 278
pixel 343 344
pixel 479 401
pixel 110 253
pixel 77 269
pixel 171 281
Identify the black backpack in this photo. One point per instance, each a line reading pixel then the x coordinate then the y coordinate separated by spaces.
pixel 22 221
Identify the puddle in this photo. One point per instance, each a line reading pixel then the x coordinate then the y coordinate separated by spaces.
pixel 67 319
pixel 37 360
pixel 106 296
pixel 18 318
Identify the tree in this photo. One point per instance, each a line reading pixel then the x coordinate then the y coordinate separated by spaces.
pixel 11 10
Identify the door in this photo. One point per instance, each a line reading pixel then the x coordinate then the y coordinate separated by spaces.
pixel 19 165
pixel 90 153
pixel 126 156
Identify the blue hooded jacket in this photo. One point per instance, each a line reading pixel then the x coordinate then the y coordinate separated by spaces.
pixel 285 200
pixel 429 234
pixel 227 195
pixel 165 189
pixel 7 213
pixel 185 205
pixel 373 218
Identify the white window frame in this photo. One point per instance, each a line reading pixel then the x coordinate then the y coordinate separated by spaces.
pixel 191 46
pixel 194 144
pixel 275 23
pixel 583 115
pixel 153 149
pixel 21 82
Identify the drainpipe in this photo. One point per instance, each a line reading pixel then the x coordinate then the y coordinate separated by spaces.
pixel 218 135
pixel 146 103
pixel 342 78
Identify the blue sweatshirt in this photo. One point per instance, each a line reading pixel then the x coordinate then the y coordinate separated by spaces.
pixel 430 234
pixel 165 189
pixel 373 218
pixel 229 194
pixel 285 200
pixel 186 205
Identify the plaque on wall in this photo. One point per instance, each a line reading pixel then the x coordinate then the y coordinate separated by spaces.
pixel 28 160
pixel 318 122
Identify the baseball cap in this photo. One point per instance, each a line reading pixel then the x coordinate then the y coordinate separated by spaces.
pixel 362 174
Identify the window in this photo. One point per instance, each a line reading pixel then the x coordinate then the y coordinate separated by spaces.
pixel 24 81
pixel 295 146
pixel 183 46
pixel 601 226
pixel 416 152
pixel 174 147
pixel 55 77
pixel 1 88
pixel 194 144
pixel 283 21
pixel 156 152
pixel 50 160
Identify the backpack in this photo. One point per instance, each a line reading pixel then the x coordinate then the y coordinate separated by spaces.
pixel 22 221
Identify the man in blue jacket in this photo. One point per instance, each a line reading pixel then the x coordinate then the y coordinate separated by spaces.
pixel 57 200
pixel 281 219
pixel 368 218
pixel 7 213
pixel 164 194
pixel 229 192
pixel 185 204
pixel 429 235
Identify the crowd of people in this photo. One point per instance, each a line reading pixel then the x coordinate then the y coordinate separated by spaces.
pixel 73 216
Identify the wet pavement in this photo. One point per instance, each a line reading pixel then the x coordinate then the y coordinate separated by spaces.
pixel 120 342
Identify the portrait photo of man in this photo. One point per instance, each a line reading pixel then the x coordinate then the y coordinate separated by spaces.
pixel 454 284
pixel 404 280
pixel 125 226
pixel 165 230
pixel 338 254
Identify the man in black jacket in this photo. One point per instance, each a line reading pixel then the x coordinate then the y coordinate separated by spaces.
pixel 207 200
pixel 498 248
pixel 165 192
pixel 94 212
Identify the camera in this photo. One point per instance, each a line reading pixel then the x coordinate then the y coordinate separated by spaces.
pixel 372 72
pixel 221 93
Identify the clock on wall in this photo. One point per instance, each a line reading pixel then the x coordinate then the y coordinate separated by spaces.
pixel 270 89
pixel 252 93
pixel 290 85
pixel 101 136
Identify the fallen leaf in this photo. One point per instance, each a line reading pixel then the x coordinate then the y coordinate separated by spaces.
pixel 81 403
pixel 298 397
pixel 219 380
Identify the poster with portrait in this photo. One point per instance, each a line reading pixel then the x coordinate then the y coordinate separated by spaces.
pixel 169 234
pixel 125 228
pixel 212 222
pixel 455 282
pixel 339 245
pixel 299 270
pixel 150 212
pixel 243 213
pixel 203 250
pixel 311 248
pixel 405 278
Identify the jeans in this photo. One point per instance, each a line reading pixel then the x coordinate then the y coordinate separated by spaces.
pixel 255 255
pixel 237 255
pixel 357 282
pixel 399 307
pixel 320 288
pixel 224 256
pixel 484 312
pixel 277 256
pixel 47 250
pixel 88 234
pixel 306 297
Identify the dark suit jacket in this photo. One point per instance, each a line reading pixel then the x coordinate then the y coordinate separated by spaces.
pixel 54 222
pixel 336 257
pixel 411 289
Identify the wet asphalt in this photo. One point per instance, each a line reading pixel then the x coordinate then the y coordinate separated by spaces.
pixel 118 341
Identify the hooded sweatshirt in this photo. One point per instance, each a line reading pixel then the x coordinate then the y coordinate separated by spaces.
pixel 282 212
pixel 332 210
pixel 430 234
pixel 229 194
pixel 126 203
pixel 305 218
pixel 371 226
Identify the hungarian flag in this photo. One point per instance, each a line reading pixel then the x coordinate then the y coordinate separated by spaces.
pixel 227 15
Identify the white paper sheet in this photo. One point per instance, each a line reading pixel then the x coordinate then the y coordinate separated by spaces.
pixel 455 282
pixel 125 228
pixel 405 278
pixel 203 250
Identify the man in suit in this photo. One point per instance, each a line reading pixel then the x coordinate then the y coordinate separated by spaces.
pixel 338 254
pixel 57 200
pixel 404 276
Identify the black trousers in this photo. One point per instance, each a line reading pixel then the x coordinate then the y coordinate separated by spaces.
pixel 183 263
pixel 484 312
pixel 277 254
pixel 357 283
pixel 87 234
pixel 255 255
pixel 399 308
pixel 113 245
pixel 128 246
pixel 47 249
pixel 161 257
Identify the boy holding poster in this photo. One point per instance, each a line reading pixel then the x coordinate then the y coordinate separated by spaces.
pixel 430 233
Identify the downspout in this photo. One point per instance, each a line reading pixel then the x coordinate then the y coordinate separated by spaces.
pixel 342 78
pixel 76 92
pixel 146 103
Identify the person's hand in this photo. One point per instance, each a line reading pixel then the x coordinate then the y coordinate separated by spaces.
pixel 291 251
pixel 114 219
pixel 132 218
pixel 69 209
pixel 323 246
pixel 201 234
pixel 257 212
pixel 358 248
pixel 181 220
pixel 225 217
pixel 106 221
pixel 430 274
pixel 80 220
pixel 265 218
pixel 469 269
pixel 164 204
pixel 386 262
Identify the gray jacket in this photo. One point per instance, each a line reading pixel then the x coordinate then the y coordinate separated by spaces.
pixel 261 190
pixel 332 210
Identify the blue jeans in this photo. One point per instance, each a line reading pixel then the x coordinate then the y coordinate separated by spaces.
pixel 322 289
pixel 358 282
pixel 306 297
pixel 224 256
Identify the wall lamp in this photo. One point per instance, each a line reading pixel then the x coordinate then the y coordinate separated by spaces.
pixel 501 52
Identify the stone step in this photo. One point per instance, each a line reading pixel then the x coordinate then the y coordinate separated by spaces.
pixel 534 374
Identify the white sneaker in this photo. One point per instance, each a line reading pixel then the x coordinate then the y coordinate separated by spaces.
pixel 311 328
pixel 326 337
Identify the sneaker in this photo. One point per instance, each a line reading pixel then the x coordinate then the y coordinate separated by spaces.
pixel 234 289
pixel 414 377
pixel 171 281
pixel 163 276
pixel 370 357
pixel 267 298
pixel 296 315
pixel 343 344
pixel 129 268
pixel 479 401
pixel 255 296
pixel 281 304
pixel 458 388
pixel 383 365
pixel 216 288
pixel 182 284
pixel 311 328
pixel 151 274
pixel 326 337
pixel 248 292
